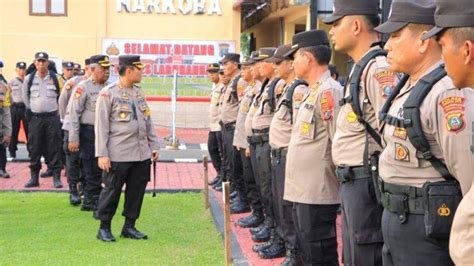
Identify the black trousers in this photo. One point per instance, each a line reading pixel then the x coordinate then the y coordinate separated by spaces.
pixel 3 157
pixel 283 210
pixel 44 137
pixel 316 230
pixel 361 223
pixel 264 177
pixel 135 175
pixel 214 143
pixel 90 166
pixel 253 193
pixel 407 244
pixel 228 151
pixel 18 113
pixel 73 162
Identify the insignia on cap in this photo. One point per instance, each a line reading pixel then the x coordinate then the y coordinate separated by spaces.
pixel 41 55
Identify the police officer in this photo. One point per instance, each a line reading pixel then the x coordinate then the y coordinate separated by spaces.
pixel 40 92
pixel 230 104
pixel 125 141
pixel 426 142
pixel 81 130
pixel 68 70
pixel 455 30
pixel 6 122
pixel 17 107
pixel 73 162
pixel 356 141
pixel 286 111
pixel 214 140
pixel 310 181
pixel 77 71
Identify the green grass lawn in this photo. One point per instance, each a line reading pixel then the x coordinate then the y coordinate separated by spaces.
pixel 43 229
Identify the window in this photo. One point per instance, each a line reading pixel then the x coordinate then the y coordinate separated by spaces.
pixel 48 7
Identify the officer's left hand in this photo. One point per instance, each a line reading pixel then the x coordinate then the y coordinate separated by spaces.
pixel 6 140
pixel 73 146
pixel 155 155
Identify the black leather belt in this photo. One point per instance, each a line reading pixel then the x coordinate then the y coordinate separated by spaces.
pixel 87 126
pixel 351 173
pixel 45 115
pixel 258 139
pixel 228 126
pixel 261 131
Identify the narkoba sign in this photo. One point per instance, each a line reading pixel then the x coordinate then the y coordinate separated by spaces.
pixel 185 7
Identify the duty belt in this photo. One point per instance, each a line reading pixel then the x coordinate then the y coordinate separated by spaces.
pixel 402 200
pixel 278 153
pixel 261 131
pixel 228 126
pixel 350 173
pixel 87 126
pixel 44 115
pixel 19 105
pixel 258 139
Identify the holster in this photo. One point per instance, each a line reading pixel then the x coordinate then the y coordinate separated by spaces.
pixel 374 168
pixel 441 201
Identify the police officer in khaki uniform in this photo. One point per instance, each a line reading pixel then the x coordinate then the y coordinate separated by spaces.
pixel 73 163
pixel 40 92
pixel 125 141
pixel 17 107
pixel 310 181
pixel 264 106
pixel 286 111
pixel 6 125
pixel 426 142
pixel 455 31
pixel 357 141
pixel 230 104
pixel 81 131
pixel 214 140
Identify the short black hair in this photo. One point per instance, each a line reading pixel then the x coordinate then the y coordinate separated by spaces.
pixel 372 21
pixel 123 69
pixel 322 53
pixel 333 70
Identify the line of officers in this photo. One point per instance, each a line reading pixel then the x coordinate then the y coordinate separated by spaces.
pixel 393 148
pixel 102 132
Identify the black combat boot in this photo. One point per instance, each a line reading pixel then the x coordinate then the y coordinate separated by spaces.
pixel 129 230
pixel 57 179
pixel 74 197
pixel 87 204
pixel 263 235
pixel 105 234
pixel 275 250
pixel 33 182
pixel 48 173
pixel 253 220
pixel 261 246
pixel 291 258
pixel 215 180
pixel 95 205
pixel 266 223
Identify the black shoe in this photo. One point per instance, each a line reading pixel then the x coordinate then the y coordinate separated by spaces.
pixel 239 207
pixel 261 246
pixel 291 259
pixel 57 179
pixel 88 204
pixel 13 154
pixel 277 250
pixel 263 235
pixel 215 180
pixel 105 235
pixel 4 174
pixel 132 232
pixel 233 194
pixel 218 187
pixel 33 182
pixel 255 230
pixel 95 215
pixel 74 197
pixel 253 220
pixel 48 173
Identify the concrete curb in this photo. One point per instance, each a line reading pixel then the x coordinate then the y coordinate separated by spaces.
pixel 238 257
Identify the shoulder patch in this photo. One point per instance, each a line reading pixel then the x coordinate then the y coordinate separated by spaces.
pixel 453 108
pixel 327 105
pixel 386 80
pixel 78 93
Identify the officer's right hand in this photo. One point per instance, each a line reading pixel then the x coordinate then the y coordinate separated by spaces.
pixel 104 163
pixel 247 152
pixel 73 146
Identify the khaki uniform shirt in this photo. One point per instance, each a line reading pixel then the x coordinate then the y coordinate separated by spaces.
pixel 66 94
pixel 214 112
pixel 15 88
pixel 310 173
pixel 263 115
pixel 376 84
pixel 82 106
pixel 280 127
pixel 6 118
pixel 124 129
pixel 445 116
pixel 240 138
pixel 43 96
pixel 230 105
pixel 250 115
